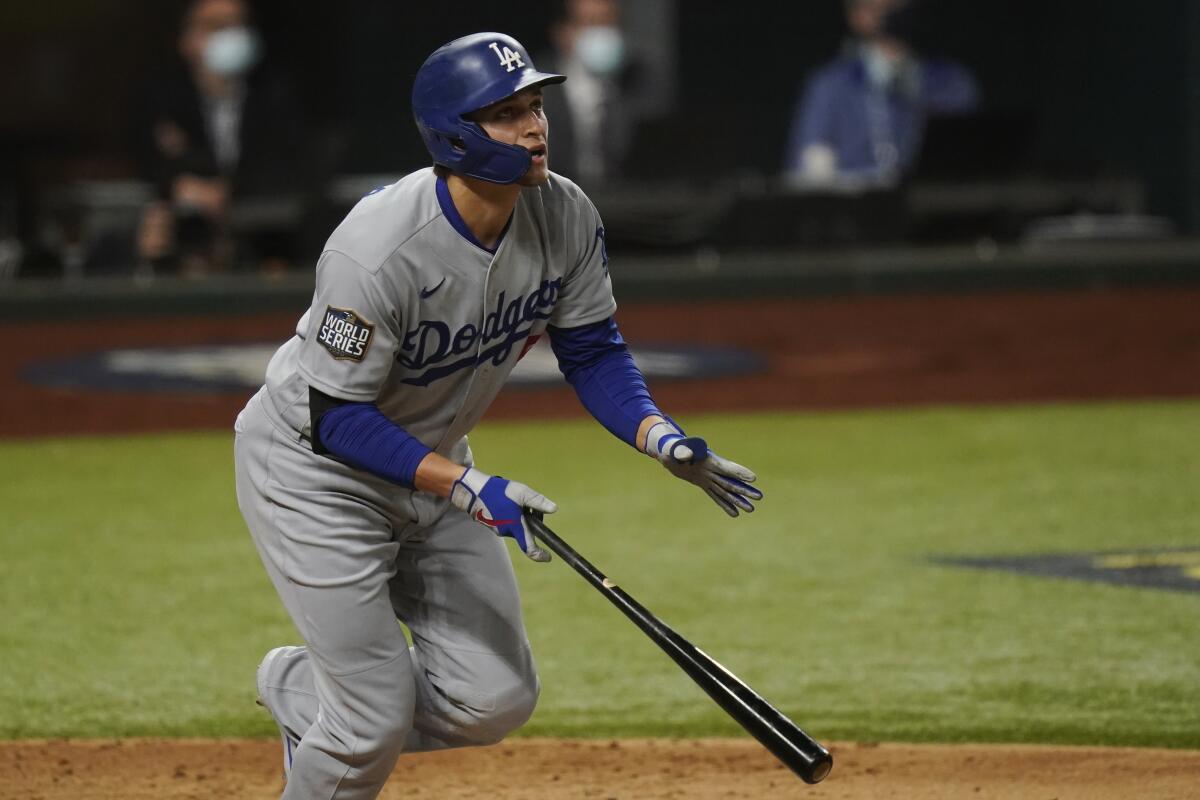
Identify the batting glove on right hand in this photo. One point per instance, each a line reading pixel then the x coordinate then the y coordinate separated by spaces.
pixel 688 458
pixel 498 504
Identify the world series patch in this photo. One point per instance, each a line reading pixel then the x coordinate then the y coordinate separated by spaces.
pixel 345 334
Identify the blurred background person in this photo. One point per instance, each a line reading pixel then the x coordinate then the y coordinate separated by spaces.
pixel 594 120
pixel 861 116
pixel 218 127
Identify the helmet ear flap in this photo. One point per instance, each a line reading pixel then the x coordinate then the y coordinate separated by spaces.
pixel 490 160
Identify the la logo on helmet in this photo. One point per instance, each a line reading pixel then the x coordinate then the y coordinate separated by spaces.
pixel 508 58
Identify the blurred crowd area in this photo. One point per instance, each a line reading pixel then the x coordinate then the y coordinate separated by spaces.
pixel 144 138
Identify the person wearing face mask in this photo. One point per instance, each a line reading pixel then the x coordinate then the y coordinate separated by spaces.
pixel 861 117
pixel 216 127
pixel 594 117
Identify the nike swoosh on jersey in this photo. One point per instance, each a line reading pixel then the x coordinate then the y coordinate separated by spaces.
pixel 429 292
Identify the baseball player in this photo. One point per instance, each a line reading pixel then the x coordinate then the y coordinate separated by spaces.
pixel 353 469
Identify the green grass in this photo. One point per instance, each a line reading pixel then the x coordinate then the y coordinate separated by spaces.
pixel 133 601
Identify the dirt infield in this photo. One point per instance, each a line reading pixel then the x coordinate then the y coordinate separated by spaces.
pixel 821 353
pixel 639 769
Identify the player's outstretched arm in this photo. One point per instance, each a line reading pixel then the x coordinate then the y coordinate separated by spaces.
pixel 596 362
pixel 688 458
pixel 492 501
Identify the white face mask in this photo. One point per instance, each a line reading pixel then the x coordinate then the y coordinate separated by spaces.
pixel 600 48
pixel 231 51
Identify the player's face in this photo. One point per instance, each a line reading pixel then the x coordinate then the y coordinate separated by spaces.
pixel 521 120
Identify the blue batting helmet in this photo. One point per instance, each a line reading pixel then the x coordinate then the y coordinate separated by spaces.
pixel 464 76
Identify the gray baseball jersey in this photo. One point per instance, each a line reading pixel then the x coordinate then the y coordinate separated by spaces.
pixel 411 315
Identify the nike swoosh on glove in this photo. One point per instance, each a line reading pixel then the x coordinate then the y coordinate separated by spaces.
pixel 497 503
pixel 688 458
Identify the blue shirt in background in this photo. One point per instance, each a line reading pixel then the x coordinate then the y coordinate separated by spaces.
pixel 874 129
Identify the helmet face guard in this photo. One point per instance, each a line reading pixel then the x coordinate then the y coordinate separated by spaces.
pixel 464 76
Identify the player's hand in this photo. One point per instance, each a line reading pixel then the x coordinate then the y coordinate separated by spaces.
pixel 498 504
pixel 727 483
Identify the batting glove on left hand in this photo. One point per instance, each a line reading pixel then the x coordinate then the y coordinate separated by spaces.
pixel 498 504
pixel 727 483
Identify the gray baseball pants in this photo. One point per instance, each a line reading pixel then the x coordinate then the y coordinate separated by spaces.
pixel 351 556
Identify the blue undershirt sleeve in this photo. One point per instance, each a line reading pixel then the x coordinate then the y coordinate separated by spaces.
pixel 595 361
pixel 362 436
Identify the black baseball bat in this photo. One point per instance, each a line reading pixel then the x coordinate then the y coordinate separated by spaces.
pixel 800 752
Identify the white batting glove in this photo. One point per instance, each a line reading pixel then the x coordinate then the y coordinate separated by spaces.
pixel 688 458
pixel 497 504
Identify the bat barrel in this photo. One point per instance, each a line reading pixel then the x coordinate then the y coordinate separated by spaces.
pixel 782 737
